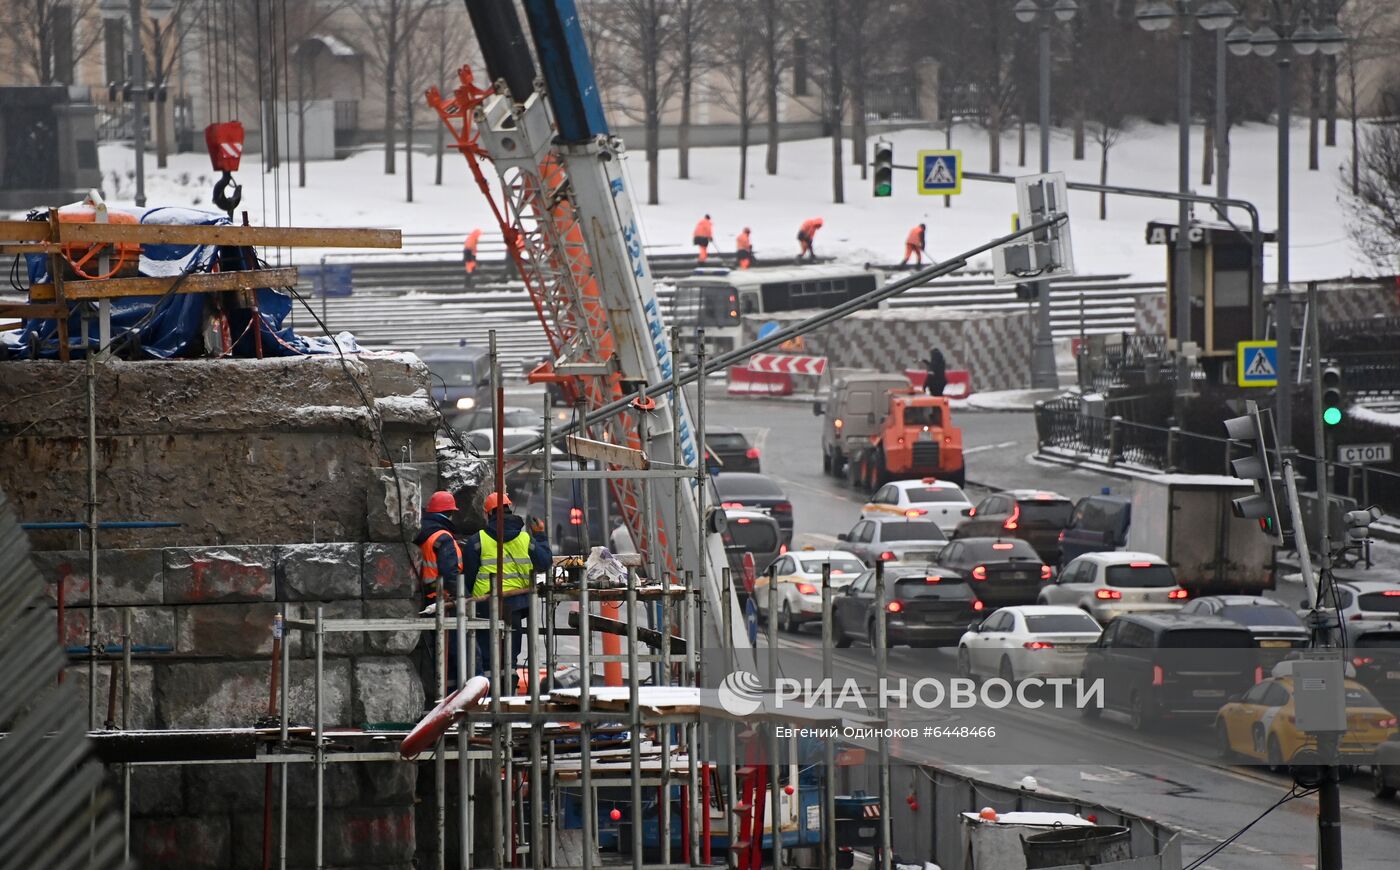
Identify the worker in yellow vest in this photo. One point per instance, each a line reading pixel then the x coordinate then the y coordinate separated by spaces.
pixel 523 553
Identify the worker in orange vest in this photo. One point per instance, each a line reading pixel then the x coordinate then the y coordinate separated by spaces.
pixel 469 256
pixel 915 245
pixel 704 234
pixel 805 235
pixel 442 559
pixel 743 249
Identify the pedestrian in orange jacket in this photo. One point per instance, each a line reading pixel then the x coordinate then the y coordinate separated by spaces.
pixel 743 249
pixel 469 255
pixel 704 234
pixel 915 245
pixel 805 235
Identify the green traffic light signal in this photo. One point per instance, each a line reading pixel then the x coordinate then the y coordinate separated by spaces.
pixel 1332 416
pixel 883 188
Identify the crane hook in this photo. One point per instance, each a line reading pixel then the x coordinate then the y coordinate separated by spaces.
pixel 222 200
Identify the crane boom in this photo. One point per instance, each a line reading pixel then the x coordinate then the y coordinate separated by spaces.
pixel 567 216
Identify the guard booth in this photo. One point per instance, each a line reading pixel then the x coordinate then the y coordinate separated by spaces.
pixel 1227 299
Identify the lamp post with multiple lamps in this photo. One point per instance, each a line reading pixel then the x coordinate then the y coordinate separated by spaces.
pixel 1043 373
pixel 1155 16
pixel 1289 30
pixel 136 60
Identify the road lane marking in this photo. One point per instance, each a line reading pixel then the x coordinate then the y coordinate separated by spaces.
pixel 979 448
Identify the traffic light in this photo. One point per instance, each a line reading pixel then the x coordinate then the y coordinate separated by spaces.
pixel 1247 433
pixel 884 168
pixel 1331 393
pixel 1026 292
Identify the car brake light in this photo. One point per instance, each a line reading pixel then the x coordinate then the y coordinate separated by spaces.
pixel 978 605
pixel 838 422
pixel 1387 723
pixel 806 589
pixel 782 507
pixel 1157 676
pixel 782 549
pixel 887 556
pixel 1139 564
pixel 928 480
pixel 1061 538
pixel 1107 594
pixel 1391 593
pixel 947 439
pixel 731 505
pixel 1046 572
pixel 894 607
pixel 1361 661
pixel 1043 496
pixel 743 521
pixel 972 512
pixel 979 573
pixel 1037 644
pixel 915 512
pixel 576 516
pixel 1003 546
pixel 1178 595
pixel 1258 674
pixel 934 579
pixel 1011 522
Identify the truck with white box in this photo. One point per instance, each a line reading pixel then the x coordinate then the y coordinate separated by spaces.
pixel 1186 519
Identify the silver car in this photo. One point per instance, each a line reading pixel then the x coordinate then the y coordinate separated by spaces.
pixel 1108 585
pixel 894 539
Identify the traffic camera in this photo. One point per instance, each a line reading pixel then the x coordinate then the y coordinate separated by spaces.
pixel 1359 523
pixel 1046 253
pixel 884 168
pixel 1331 393
pixel 1247 433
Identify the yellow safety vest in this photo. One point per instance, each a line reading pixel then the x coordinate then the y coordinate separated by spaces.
pixel 519 570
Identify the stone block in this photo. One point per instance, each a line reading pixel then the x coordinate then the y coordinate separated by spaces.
pixel 156 790
pixel 338 643
pixel 394 503
pixel 389 783
pixel 226 694
pixel 124 577
pixel 143 709
pixel 150 627
pixel 386 690
pixel 395 373
pixel 391 643
pixel 318 572
pixel 225 630
pixel 220 575
pixel 182 843
pixel 389 570
pixel 368 836
pixel 226 787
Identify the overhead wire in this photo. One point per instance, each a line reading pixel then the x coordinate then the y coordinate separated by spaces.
pixel 1293 794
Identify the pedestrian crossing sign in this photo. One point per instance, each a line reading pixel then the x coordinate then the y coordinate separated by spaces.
pixel 940 173
pixel 1257 363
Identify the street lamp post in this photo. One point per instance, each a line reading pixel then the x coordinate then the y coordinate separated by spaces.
pixel 1290 30
pixel 1155 16
pixel 131 9
pixel 1043 374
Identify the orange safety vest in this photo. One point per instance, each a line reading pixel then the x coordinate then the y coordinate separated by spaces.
pixel 430 566
pixel 741 242
pixel 810 227
pixel 704 229
pixel 915 238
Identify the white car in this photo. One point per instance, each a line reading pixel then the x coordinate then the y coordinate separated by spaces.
pixel 799 584
pixel 1029 640
pixel 511 436
pixel 941 501
pixel 1368 600
pixel 1108 585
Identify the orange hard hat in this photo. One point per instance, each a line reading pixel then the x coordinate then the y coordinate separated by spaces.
pixel 442 501
pixel 495 500
pixel 818 221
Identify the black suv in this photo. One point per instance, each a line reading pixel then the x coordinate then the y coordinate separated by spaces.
pixel 1099 523
pixel 1160 666
pixel 1035 516
pixel 729 451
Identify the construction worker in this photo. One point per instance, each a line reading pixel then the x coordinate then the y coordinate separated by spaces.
pixel 743 249
pixel 469 256
pixel 442 559
pixel 915 245
pixel 524 553
pixel 704 234
pixel 805 235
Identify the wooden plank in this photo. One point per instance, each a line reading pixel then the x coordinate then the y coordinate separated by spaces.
pixel 24 231
pixel 272 237
pixel 198 282
pixel 31 311
pixel 611 454
pixel 31 248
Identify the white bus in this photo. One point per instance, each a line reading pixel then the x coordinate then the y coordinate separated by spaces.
pixel 719 299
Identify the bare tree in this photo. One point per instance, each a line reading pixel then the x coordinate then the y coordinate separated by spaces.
pixel 1374 207
pixel 50 37
pixel 774 37
pixel 694 40
pixel 1371 29
pixel 392 25
pixel 166 43
pixel 979 41
pixel 741 64
pixel 450 44
pixel 644 34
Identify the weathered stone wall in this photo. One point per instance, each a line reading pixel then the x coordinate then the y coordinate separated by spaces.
pixel 254 459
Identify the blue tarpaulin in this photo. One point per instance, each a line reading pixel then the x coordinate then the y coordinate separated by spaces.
pixel 173 328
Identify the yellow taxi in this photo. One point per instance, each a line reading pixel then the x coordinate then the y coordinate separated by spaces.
pixel 1262 725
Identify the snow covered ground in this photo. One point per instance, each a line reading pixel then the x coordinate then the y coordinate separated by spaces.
pixel 355 192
